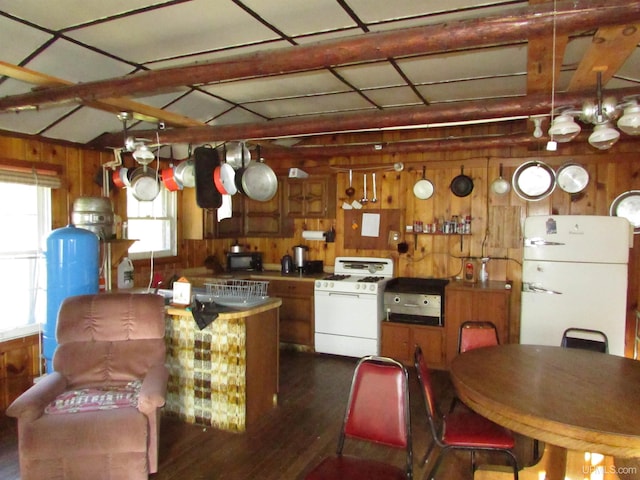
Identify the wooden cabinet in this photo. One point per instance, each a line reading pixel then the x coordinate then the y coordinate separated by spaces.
pixel 250 218
pixel 313 197
pixel 475 302
pixel 18 367
pixel 399 341
pixel 297 323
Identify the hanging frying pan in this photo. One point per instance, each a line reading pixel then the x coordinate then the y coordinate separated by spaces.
pixel 206 160
pixel 169 180
pixel 224 179
pixel 462 185
pixel 572 178
pixel 237 154
pixel 423 188
pixel 185 173
pixel 259 182
pixel 627 205
pixel 534 180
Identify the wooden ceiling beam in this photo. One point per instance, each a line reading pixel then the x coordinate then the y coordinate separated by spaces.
pixel 536 104
pixel 518 25
pixel 609 49
pixel 140 111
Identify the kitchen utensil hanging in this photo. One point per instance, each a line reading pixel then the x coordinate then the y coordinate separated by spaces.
pixel 350 191
pixel 572 178
pixel 259 181
pixel 145 184
pixel 224 179
pixel 534 180
pixel 364 198
pixel 185 173
pixel 423 188
pixel 206 160
pixel 237 154
pixel 462 185
pixel 500 185
pixel 627 205
pixel 169 180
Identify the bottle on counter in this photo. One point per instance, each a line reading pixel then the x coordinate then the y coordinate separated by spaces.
pixel 125 273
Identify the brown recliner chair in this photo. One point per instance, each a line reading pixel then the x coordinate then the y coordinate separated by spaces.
pixel 97 415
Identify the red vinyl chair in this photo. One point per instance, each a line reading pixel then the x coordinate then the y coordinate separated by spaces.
pixel 377 412
pixel 460 430
pixel 477 335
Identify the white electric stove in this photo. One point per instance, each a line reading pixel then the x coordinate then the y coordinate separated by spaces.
pixel 349 306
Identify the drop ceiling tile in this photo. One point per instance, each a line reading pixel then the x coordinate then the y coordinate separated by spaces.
pixel 376 11
pixel 66 13
pixel 32 122
pixel 199 106
pixel 466 65
pixel 293 17
pixel 217 55
pixel 321 37
pixel 74 63
pixel 393 97
pixel 84 125
pixel 371 75
pixel 631 67
pixel 283 86
pixel 30 39
pixel 183 28
pixel 236 116
pixel 340 102
pixel 475 89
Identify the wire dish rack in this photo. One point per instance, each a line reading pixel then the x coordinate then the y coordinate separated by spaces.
pixel 237 293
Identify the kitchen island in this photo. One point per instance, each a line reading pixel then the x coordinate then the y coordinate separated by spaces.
pixel 225 375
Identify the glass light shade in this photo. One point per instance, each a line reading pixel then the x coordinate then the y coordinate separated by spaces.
pixel 564 128
pixel 604 136
pixel 629 123
pixel 143 155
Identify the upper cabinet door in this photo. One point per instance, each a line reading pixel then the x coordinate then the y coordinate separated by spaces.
pixel 313 197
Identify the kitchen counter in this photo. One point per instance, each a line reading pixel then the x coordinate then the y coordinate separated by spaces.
pixel 225 375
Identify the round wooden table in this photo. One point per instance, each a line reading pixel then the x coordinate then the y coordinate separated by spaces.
pixel 573 400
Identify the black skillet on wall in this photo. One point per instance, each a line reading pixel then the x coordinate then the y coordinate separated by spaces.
pixel 462 185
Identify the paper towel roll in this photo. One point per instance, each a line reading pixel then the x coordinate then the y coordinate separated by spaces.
pixel 313 235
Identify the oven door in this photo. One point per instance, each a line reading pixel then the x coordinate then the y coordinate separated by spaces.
pixel 347 323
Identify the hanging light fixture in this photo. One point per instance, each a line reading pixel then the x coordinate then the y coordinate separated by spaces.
pixel 563 128
pixel 629 123
pixel 601 114
pixel 603 136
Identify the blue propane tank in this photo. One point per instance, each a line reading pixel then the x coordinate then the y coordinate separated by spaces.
pixel 72 269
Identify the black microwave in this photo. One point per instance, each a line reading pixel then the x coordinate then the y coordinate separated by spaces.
pixel 244 262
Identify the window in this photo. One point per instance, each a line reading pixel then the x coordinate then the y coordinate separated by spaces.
pixel 25 211
pixel 153 224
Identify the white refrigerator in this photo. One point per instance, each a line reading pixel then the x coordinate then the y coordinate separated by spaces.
pixel 574 274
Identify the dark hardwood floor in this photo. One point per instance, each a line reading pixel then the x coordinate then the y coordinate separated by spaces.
pixel 291 438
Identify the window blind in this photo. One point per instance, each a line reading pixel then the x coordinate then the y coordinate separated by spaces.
pixel 50 180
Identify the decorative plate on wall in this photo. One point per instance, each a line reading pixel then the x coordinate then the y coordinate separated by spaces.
pixel 572 178
pixel 627 205
pixel 534 180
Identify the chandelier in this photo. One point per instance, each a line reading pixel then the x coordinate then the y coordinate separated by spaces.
pixel 602 114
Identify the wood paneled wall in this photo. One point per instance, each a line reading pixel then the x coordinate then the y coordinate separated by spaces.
pixel 611 173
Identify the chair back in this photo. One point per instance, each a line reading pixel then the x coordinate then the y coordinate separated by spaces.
pixel 378 406
pixel 424 377
pixel 109 338
pixel 476 335
pixel 585 339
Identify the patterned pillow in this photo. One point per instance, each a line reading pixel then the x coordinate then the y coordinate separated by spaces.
pixel 90 399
